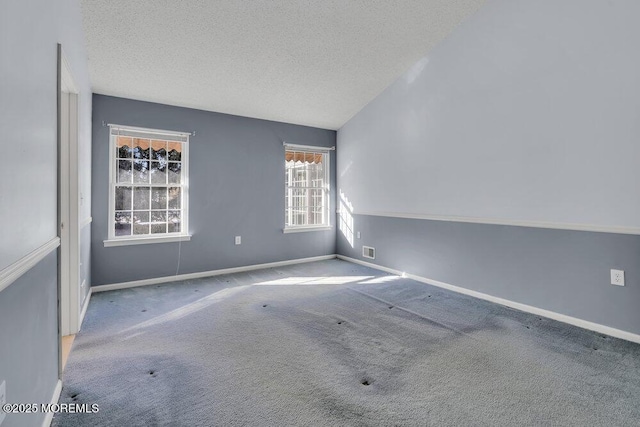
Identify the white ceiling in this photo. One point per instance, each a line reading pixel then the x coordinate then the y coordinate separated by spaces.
pixel 315 63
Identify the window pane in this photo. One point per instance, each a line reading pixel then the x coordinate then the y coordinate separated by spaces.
pixel 175 170
pixel 123 198
pixel 311 171
pixel 174 220
pixel 141 171
pixel 158 172
pixel 141 222
pixel 288 175
pixel 175 198
pixel 305 205
pixel 158 222
pixel 141 148
pixel 300 175
pixel 158 198
pixel 315 198
pixel 317 210
pixel 124 171
pixel 147 195
pixel 124 147
pixel 299 206
pixel 319 174
pixel 123 224
pixel 313 174
pixel 141 198
pixel 175 151
pixel 159 150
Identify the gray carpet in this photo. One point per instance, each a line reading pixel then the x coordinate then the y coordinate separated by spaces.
pixel 333 343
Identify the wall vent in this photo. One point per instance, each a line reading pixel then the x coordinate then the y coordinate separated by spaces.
pixel 369 252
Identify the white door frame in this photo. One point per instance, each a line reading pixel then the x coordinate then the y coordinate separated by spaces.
pixel 69 227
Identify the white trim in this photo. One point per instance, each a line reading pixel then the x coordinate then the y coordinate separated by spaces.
pixel 54 399
pixel 73 220
pixel 66 78
pixel 585 324
pixel 302 229
pixel 515 223
pixel 149 130
pixel 85 305
pixel 371 265
pixel 69 227
pixel 11 273
pixel 146 240
pixel 315 148
pixel 86 222
pixel 184 186
pixel 157 280
pixel 326 159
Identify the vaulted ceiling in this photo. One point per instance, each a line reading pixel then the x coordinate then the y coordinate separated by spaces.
pixel 314 63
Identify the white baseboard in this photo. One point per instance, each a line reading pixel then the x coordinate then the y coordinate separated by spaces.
pixel 85 305
pixel 54 399
pixel 189 276
pixel 585 324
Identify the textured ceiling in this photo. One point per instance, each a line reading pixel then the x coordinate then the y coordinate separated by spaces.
pixel 314 63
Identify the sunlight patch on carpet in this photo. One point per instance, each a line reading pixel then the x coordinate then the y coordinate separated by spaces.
pixel 188 309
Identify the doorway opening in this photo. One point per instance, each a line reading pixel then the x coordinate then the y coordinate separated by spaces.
pixel 70 288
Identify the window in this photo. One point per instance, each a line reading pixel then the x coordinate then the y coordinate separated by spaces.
pixel 306 188
pixel 148 196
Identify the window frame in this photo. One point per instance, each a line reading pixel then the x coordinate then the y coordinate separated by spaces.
pixel 326 159
pixel 162 135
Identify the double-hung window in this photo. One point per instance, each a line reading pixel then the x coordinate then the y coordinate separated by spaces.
pixel 148 195
pixel 307 188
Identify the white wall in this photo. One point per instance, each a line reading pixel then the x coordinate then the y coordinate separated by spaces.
pixel 529 111
pixel 30 31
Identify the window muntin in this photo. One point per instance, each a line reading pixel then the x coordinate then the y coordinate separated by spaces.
pixel 306 188
pixel 148 196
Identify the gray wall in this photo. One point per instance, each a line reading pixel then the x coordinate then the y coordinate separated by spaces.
pixel 30 32
pixel 236 188
pixel 29 334
pixel 529 110
pixel 559 270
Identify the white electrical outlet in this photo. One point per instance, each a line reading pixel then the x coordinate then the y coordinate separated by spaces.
pixel 617 277
pixel 358 234
pixel 3 400
pixel 238 240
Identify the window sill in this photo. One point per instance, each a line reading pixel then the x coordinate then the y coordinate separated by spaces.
pixel 305 229
pixel 146 240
